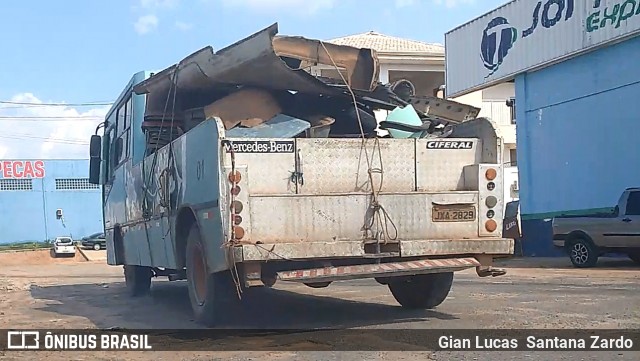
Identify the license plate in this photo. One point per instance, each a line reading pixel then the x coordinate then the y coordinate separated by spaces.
pixel 453 213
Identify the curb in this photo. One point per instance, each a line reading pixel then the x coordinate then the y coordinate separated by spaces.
pixel 81 251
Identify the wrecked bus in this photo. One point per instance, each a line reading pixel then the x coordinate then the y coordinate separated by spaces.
pixel 238 168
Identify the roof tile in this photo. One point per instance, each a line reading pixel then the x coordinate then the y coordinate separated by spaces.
pixel 388 44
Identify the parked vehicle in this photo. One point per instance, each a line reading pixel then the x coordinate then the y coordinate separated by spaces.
pixel 63 246
pixel 95 241
pixel 198 185
pixel 585 238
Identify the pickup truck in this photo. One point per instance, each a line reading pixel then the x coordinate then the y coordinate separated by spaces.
pixel 587 237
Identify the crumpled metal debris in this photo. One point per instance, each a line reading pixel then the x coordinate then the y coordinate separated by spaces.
pixel 265 75
pixel 280 126
pixel 404 116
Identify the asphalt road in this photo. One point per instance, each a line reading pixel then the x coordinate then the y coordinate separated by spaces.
pixel 81 295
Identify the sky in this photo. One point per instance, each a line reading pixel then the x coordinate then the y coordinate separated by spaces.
pixel 65 61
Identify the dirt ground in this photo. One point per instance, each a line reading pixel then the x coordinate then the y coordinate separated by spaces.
pixel 37 291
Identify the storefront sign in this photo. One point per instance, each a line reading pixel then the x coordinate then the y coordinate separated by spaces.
pixel 525 35
pixel 17 169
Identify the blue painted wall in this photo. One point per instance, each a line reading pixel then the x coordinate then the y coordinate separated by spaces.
pixel 578 134
pixel 31 215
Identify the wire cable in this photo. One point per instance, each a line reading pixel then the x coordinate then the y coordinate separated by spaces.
pixel 51 116
pixel 380 215
pixel 45 139
pixel 29 104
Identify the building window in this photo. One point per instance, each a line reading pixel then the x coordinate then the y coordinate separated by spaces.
pixel 16 184
pixel 67 184
pixel 511 103
pixel 513 157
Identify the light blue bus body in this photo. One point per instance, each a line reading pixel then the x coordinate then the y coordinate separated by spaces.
pixel 138 229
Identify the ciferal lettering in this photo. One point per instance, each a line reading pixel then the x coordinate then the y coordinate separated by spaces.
pixel 450 145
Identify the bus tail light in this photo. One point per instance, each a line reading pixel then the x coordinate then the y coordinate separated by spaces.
pixel 490 205
pixel 238 232
pixel 491 201
pixel 237 207
pixel 490 174
pixel 235 177
pixel 491 225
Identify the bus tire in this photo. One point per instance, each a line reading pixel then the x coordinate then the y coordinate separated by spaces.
pixel 421 291
pixel 137 280
pixel 209 293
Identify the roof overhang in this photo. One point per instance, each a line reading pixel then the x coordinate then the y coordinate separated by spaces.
pixel 412 59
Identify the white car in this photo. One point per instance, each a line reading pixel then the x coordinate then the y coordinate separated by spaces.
pixel 63 246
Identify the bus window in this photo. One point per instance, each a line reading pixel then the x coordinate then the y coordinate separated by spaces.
pixel 113 153
pixel 128 111
pixel 120 143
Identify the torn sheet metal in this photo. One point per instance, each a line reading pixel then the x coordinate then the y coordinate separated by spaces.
pixel 246 106
pixel 256 61
pixel 404 116
pixel 444 108
pixel 360 65
pixel 280 126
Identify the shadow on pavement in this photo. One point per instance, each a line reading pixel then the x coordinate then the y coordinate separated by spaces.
pixel 167 307
pixel 621 263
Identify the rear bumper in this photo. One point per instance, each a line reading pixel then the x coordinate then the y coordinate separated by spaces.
pixel 395 269
pixel 356 249
pixel 65 250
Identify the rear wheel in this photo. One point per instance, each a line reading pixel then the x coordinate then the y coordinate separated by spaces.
pixel 422 291
pixel 137 279
pixel 635 256
pixel 583 253
pixel 209 293
pixel 97 246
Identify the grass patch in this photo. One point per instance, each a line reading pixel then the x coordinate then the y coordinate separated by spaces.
pixel 24 246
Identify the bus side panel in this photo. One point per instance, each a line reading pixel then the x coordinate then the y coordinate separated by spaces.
pixel 200 165
pixel 115 199
pixel 153 244
pixel 114 213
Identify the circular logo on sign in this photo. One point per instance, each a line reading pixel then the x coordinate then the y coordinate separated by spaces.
pixel 497 39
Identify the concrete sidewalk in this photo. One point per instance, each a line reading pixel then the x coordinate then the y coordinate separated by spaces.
pixel 93 255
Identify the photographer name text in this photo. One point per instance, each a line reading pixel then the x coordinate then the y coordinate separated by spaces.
pixel 593 342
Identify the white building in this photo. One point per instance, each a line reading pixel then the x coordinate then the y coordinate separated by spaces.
pixel 424 65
